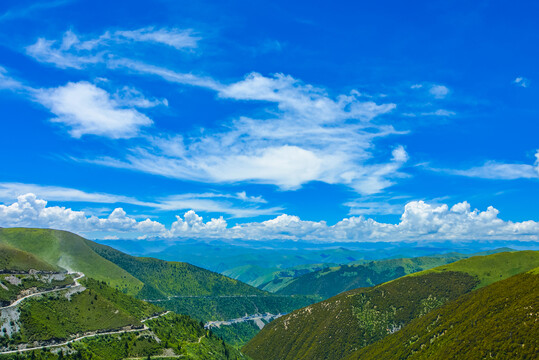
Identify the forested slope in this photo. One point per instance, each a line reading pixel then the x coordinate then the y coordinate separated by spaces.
pixel 336 327
pixel 499 321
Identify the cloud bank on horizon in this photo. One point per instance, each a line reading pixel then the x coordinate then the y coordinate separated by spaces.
pixel 170 114
pixel 419 221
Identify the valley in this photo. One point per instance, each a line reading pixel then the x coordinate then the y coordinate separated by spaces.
pixel 324 311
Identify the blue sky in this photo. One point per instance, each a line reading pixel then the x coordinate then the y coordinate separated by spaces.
pixel 356 120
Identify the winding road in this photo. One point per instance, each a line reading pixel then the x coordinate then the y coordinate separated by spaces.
pixel 144 328
pixel 75 284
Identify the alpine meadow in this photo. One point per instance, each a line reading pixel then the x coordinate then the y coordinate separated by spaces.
pixel 269 180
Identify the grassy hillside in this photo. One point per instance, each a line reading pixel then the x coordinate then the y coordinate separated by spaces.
pixel 166 278
pixel 491 268
pixel 347 322
pixel 179 285
pixel 101 308
pixel 71 252
pixel 334 280
pixel 498 321
pixel 17 260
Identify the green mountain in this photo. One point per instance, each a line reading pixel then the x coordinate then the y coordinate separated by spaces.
pixel 272 279
pixel 335 280
pixel 18 260
pixel 491 268
pixel 176 286
pixel 498 321
pixel 71 252
pixel 335 328
pixel 169 278
pixel 200 293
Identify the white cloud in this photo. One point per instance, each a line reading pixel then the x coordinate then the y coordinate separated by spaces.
pixel 360 207
pixel 236 205
pixel 28 10
pixel 419 221
pixel 306 136
pixel 439 112
pixel 10 191
pixel 416 86
pixel 303 100
pixel 45 51
pixel 72 52
pixel 399 154
pixel 439 91
pixel 164 73
pixel 87 109
pixel 29 211
pixel 499 171
pixel 521 81
pixel 7 82
pixel 131 97
pixel 177 38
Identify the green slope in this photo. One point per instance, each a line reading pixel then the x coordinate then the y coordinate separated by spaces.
pixel 492 268
pixel 332 281
pixel 169 278
pixel 335 328
pixel 498 321
pixel 71 252
pixel 18 260
pixel 55 318
pixel 199 293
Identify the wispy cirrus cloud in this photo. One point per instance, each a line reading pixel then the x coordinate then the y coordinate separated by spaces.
pixel 176 38
pixel 72 52
pixel 497 170
pixel 236 205
pixel 17 13
pixel 306 134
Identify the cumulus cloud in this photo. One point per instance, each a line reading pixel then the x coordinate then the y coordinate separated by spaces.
pixel 87 109
pixel 439 91
pixel 419 221
pixel 30 211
